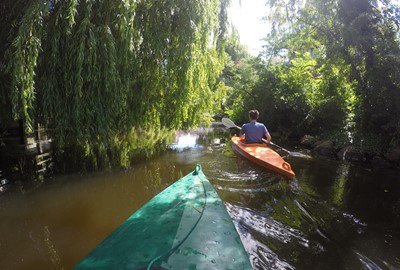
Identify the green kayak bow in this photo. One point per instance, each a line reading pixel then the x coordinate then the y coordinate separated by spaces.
pixel 186 226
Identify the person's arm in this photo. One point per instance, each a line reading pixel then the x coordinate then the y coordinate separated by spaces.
pixel 268 136
pixel 242 133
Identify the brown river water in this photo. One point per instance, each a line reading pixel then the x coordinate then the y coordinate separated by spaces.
pixel 332 216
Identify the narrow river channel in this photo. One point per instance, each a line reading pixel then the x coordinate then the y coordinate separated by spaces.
pixel 332 216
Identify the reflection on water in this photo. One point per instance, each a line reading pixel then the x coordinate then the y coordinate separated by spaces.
pixel 334 216
pixel 184 141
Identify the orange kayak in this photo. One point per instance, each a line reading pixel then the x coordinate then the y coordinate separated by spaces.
pixel 264 156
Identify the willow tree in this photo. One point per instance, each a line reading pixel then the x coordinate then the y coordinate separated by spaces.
pixel 97 72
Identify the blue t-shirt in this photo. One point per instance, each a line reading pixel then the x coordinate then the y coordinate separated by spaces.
pixel 254 132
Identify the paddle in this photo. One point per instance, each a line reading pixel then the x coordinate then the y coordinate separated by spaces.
pixel 230 124
pixel 274 144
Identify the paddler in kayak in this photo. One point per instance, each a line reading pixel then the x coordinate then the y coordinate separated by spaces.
pixel 254 132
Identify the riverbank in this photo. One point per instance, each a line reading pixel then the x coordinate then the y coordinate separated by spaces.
pixel 351 154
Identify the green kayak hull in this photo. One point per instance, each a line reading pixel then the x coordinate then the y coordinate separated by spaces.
pixel 186 226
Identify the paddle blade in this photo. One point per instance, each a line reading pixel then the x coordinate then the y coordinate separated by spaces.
pixel 228 123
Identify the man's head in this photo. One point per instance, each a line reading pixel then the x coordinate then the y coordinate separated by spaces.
pixel 253 114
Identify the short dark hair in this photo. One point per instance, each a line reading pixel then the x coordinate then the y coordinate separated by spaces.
pixel 253 114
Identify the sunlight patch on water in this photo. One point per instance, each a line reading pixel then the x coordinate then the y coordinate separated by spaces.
pixel 184 140
pixel 339 187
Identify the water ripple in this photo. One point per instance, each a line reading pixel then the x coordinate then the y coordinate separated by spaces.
pixel 257 228
pixel 366 262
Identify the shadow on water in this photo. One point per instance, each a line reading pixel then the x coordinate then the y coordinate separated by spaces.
pixel 332 216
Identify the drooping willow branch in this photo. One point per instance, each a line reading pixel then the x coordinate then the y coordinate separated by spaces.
pixel 92 69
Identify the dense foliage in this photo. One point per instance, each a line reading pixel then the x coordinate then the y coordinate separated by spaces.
pixel 100 73
pixel 330 68
pixel 95 72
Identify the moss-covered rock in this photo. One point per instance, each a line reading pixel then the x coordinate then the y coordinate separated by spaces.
pixel 324 148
